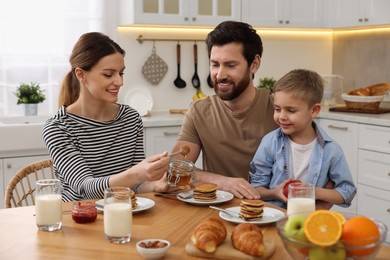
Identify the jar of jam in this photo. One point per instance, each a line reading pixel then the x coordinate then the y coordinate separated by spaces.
pixel 84 212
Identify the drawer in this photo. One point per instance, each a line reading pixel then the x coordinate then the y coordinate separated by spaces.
pixel 374 169
pixel 374 138
pixel 374 203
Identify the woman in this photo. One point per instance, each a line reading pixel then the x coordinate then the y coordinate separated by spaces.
pixel 94 142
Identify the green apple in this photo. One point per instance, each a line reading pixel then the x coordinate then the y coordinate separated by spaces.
pixel 336 252
pixel 294 227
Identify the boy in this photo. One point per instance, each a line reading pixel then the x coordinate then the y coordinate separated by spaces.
pixel 299 148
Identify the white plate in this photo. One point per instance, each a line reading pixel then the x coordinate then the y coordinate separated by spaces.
pixel 270 215
pixel 222 196
pixel 142 204
pixel 140 99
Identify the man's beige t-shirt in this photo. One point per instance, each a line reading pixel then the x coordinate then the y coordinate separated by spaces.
pixel 228 140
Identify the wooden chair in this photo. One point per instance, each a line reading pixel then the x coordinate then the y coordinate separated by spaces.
pixel 20 189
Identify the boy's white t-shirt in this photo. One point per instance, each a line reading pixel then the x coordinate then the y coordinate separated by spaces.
pixel 301 154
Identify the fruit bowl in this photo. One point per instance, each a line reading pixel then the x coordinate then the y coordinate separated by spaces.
pixel 298 246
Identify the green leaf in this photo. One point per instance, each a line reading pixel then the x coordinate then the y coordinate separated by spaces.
pixel 29 93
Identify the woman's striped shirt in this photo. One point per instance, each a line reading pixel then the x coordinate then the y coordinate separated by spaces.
pixel 86 152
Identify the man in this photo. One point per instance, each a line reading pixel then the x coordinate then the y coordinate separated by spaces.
pixel 228 126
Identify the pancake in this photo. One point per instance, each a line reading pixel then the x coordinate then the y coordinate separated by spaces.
pixel 205 192
pixel 134 203
pixel 251 209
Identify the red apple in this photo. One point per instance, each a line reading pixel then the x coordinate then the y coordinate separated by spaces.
pixel 285 188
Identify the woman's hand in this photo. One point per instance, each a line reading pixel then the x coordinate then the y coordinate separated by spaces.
pixel 163 186
pixel 154 167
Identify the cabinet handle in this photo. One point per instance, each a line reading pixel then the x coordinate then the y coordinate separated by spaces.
pixel 193 19
pixel 366 19
pixel 280 21
pixel 338 127
pixel 186 19
pixel 9 166
pixel 287 22
pixel 171 133
pixel 360 19
pixel 388 174
pixel 388 210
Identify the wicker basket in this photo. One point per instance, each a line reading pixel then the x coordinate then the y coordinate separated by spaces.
pixel 362 102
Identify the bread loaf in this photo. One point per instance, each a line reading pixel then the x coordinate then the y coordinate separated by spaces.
pixel 248 238
pixel 378 89
pixel 209 234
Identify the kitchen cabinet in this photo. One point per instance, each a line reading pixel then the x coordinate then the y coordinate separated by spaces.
pixel 283 13
pixel 159 139
pixel 9 167
pixel 349 13
pixel 178 12
pixel 346 135
pixel 374 173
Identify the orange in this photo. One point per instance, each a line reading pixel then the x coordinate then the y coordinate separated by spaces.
pixel 360 231
pixel 339 216
pixel 322 228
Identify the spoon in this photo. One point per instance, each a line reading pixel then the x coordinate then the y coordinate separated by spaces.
pixel 195 79
pixel 184 150
pixel 179 82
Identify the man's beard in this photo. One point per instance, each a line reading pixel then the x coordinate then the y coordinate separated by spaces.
pixel 236 89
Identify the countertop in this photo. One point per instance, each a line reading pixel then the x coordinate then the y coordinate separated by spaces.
pixel 373 119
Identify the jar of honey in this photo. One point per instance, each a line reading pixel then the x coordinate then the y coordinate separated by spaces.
pixel 84 212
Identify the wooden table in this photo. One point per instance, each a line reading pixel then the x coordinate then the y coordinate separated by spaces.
pixel 169 219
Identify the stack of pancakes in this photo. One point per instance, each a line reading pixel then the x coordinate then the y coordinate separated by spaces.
pixel 205 192
pixel 251 209
pixel 134 203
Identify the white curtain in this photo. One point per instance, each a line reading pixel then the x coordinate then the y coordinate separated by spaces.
pixel 36 38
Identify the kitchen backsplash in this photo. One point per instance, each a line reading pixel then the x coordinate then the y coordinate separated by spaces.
pixel 282 53
pixel 362 58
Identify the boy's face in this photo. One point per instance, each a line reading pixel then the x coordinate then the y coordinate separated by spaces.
pixel 294 116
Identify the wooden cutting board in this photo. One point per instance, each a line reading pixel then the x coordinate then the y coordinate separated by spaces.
pixel 227 251
pixel 381 110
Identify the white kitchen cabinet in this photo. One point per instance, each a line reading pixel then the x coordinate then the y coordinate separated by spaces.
pixel 374 172
pixel 349 13
pixel 283 13
pixel 10 166
pixel 159 139
pixel 346 135
pixel 178 12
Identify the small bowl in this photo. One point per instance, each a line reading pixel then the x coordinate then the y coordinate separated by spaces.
pixel 362 102
pixel 299 249
pixel 152 253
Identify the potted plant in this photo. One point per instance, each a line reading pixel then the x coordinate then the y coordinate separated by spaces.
pixel 267 83
pixel 30 95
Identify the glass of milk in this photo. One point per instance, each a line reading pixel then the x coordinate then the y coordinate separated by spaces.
pixel 48 204
pixel 301 198
pixel 117 215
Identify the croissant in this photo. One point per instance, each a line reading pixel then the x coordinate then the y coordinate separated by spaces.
pixel 209 234
pixel 378 89
pixel 248 238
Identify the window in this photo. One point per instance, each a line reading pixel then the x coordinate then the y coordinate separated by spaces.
pixel 36 39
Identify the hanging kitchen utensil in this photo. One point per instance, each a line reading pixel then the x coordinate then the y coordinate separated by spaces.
pixel 209 81
pixel 154 69
pixel 179 82
pixel 195 79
